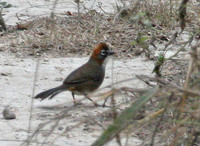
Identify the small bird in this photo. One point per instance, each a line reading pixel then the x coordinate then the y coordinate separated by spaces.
pixel 84 79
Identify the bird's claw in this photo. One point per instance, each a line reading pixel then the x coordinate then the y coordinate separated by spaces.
pixel 76 103
pixel 104 105
pixel 96 104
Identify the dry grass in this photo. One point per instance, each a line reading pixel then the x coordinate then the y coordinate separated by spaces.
pixel 129 32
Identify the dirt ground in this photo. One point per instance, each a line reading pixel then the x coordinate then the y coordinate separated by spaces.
pixel 17 79
pixel 27 10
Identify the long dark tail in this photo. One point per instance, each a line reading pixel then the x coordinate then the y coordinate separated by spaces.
pixel 50 93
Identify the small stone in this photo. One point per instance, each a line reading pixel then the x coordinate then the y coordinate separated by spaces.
pixel 60 128
pixel 58 79
pixel 86 129
pixel 138 52
pixel 6 74
pixel 46 60
pixel 8 114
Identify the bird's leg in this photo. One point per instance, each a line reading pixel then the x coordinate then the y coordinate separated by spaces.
pixel 105 100
pixel 95 104
pixel 74 99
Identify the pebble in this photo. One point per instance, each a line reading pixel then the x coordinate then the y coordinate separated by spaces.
pixel 8 114
pixel 60 128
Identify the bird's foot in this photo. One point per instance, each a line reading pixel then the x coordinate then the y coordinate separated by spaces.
pixel 77 103
pixel 96 104
pixel 104 104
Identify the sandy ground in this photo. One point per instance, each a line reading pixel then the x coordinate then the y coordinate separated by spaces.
pixel 28 9
pixel 17 80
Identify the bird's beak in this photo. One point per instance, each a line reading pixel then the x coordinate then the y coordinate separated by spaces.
pixel 110 52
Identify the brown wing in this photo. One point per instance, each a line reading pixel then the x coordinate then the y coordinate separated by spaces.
pixel 85 73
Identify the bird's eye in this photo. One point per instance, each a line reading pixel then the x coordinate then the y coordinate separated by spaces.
pixel 103 53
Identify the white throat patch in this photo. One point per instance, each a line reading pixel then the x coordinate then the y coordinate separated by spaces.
pixel 105 61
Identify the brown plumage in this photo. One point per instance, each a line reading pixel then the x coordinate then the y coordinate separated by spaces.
pixel 84 79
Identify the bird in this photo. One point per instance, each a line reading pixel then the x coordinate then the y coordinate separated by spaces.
pixel 85 79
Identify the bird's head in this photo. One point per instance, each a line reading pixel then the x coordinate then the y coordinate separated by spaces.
pixel 101 52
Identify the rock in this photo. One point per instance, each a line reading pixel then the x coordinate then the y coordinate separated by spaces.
pixel 138 52
pixel 8 114
pixel 6 74
pixel 60 128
